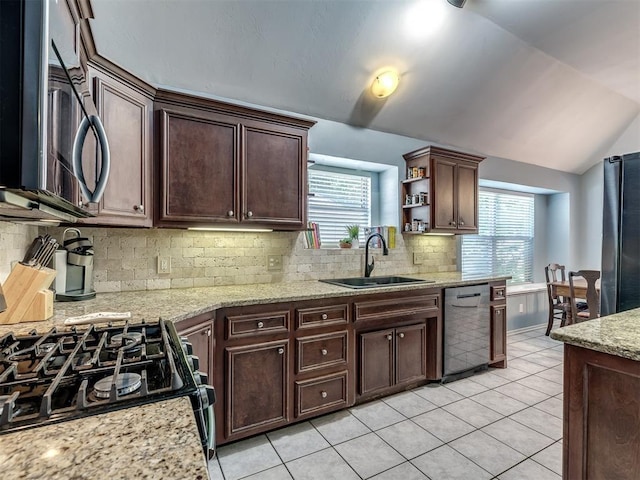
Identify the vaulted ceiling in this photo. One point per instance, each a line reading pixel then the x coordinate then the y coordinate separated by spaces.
pixel 548 82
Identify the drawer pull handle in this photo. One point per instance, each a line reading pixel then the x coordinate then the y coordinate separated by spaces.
pixel 389 337
pixel 324 316
pixel 280 351
pixel 324 351
pixel 401 335
pixel 260 324
pixel 323 394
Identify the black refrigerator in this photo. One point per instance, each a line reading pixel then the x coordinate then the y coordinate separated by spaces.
pixel 620 283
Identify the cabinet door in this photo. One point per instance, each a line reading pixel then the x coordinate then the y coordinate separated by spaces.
pixel 467 196
pixel 127 116
pixel 376 361
pixel 274 175
pixel 411 353
pixel 498 333
pixel 198 168
pixel 256 388
pixel 201 338
pixel 444 208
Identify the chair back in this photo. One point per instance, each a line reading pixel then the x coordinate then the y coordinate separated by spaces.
pixel 554 272
pixel 592 295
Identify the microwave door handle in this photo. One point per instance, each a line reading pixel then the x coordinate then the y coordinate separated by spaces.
pixel 105 154
pixel 76 158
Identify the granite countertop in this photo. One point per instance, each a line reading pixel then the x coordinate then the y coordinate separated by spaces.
pixel 157 440
pixel 179 304
pixel 617 334
pixel 168 446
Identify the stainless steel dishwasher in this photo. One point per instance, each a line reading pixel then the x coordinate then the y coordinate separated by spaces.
pixel 466 331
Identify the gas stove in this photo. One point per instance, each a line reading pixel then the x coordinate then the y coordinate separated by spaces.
pixel 66 374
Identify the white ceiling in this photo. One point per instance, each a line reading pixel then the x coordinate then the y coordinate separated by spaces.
pixel 548 82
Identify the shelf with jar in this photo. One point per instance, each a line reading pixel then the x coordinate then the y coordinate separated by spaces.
pixel 415 199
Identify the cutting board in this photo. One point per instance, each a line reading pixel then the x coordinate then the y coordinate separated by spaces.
pixel 21 290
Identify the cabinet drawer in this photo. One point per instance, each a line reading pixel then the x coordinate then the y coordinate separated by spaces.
pixel 257 324
pixel 498 292
pixel 321 351
pixel 321 316
pixel 321 393
pixel 396 307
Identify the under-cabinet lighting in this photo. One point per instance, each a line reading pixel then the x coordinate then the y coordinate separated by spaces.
pixel 440 234
pixel 230 229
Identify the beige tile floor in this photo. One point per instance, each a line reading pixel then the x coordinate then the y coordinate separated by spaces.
pixel 500 424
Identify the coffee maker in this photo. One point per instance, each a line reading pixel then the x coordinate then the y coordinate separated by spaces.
pixel 74 266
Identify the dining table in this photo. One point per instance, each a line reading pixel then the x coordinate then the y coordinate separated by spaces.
pixel 562 288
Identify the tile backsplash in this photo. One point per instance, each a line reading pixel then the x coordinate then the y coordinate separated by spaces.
pixel 14 240
pixel 127 259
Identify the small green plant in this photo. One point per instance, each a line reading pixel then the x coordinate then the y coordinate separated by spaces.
pixel 353 231
pixel 345 242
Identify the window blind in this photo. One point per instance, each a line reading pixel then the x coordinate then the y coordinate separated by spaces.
pixel 337 200
pixel 504 244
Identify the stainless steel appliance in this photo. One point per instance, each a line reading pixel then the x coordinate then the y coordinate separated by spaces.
pixel 46 113
pixel 61 375
pixel 466 331
pixel 620 281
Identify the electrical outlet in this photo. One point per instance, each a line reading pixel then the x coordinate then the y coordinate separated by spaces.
pixel 417 258
pixel 274 263
pixel 522 308
pixel 164 264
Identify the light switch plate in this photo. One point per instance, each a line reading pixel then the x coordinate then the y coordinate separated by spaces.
pixel 274 263
pixel 164 264
pixel 417 258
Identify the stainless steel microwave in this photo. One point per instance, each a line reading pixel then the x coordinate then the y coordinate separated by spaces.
pixel 46 115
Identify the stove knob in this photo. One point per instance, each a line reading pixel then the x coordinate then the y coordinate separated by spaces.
pixel 186 346
pixel 207 395
pixel 201 378
pixel 194 362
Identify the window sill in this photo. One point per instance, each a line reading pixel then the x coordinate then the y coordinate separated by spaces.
pixel 526 288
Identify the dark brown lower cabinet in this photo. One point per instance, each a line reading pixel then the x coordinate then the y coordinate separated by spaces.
pixel 498 326
pixel 601 438
pixel 199 333
pixel 392 357
pixel 256 393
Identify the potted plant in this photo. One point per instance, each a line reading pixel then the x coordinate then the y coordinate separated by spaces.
pixel 353 231
pixel 345 242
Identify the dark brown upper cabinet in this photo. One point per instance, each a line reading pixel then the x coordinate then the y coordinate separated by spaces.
pixel 447 192
pixel 125 106
pixel 222 164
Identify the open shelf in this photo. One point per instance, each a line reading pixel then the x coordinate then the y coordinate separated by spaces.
pixel 415 205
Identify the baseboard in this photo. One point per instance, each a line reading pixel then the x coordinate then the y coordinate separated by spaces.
pixel 526 329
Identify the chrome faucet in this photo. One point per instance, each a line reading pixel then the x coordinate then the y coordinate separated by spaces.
pixel 368 267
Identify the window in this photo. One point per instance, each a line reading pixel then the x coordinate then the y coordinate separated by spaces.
pixel 338 199
pixel 504 244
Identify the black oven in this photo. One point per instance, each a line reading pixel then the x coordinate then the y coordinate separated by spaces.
pixel 71 373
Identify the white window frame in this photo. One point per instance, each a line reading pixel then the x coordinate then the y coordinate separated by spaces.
pixel 487 259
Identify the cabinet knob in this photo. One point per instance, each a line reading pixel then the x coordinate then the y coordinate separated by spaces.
pixel 249 214
pixel 323 394
pixel 389 337
pixel 401 335
pixel 139 208
pixel 81 204
pixel 452 223
pixel 230 213
pixel 207 332
pixel 260 324
pixel 280 351
pixel 324 316
pixel 498 312
pixel 324 351
pixel 461 222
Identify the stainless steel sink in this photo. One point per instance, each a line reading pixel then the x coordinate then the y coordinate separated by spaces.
pixel 372 282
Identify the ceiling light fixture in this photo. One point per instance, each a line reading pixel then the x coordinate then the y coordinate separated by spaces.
pixel 385 83
pixel 457 3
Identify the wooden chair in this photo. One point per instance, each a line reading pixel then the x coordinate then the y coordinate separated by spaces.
pixel 559 307
pixel 592 296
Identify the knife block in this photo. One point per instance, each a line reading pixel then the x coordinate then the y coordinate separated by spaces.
pixel 25 293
